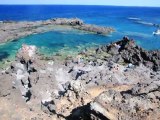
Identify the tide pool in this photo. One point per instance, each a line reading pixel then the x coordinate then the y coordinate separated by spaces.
pixel 57 41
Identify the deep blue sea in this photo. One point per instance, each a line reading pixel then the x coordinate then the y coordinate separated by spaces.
pixel 131 21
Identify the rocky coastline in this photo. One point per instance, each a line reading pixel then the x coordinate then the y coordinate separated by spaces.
pixel 118 81
pixel 11 30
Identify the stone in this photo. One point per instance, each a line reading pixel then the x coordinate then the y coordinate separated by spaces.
pixel 116 81
pixel 129 52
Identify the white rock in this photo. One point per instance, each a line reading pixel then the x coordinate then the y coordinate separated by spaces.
pixel 97 107
pixel 50 63
pixel 42 71
pixel 46 97
pixel 20 66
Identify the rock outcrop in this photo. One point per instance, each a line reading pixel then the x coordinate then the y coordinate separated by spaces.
pixel 127 51
pixel 22 69
pixel 95 29
pixel 65 21
pixel 112 82
pixel 139 103
pixel 13 30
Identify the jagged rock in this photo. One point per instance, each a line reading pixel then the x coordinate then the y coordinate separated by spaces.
pixel 22 68
pixel 47 103
pixel 78 24
pixel 65 21
pixel 115 83
pixel 146 88
pixel 95 29
pixel 137 103
pixel 76 73
pixel 76 86
pixel 129 52
pixel 85 113
pixel 48 107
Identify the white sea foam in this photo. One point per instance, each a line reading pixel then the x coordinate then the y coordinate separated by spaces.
pixel 129 33
pixel 145 23
pixel 134 18
pixel 140 21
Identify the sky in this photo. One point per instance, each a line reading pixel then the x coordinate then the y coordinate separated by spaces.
pixel 155 3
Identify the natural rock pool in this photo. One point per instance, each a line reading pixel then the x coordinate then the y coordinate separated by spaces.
pixel 125 20
pixel 69 41
pixel 62 41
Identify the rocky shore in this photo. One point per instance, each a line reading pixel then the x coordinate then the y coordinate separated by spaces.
pixel 119 81
pixel 11 30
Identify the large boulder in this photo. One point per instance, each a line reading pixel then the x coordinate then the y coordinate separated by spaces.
pixel 139 103
pixel 22 68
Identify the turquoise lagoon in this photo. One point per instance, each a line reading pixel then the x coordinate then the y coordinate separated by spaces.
pixel 66 41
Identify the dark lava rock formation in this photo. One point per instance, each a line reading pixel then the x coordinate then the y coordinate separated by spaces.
pixel 127 51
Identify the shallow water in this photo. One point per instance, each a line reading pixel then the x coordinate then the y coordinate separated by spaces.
pixel 70 41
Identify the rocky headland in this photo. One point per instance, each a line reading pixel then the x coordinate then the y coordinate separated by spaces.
pixel 119 81
pixel 11 30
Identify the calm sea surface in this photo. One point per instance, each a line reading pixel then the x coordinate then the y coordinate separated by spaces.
pixel 131 21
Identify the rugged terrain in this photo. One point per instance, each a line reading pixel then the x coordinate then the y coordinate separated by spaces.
pixel 119 81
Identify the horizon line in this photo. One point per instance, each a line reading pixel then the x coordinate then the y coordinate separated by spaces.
pixel 78 5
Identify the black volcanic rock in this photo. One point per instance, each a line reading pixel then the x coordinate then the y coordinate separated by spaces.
pixel 127 50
